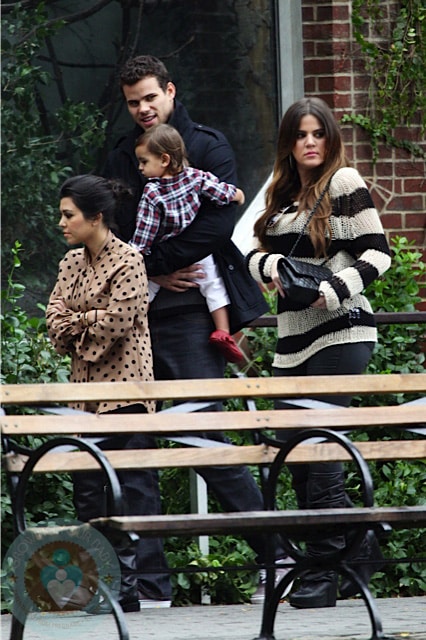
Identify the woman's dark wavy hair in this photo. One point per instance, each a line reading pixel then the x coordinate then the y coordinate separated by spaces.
pixel 164 138
pixel 94 195
pixel 285 186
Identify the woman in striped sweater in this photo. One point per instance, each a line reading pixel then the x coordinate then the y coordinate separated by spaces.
pixel 337 333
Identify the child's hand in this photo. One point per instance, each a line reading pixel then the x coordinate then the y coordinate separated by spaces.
pixel 239 197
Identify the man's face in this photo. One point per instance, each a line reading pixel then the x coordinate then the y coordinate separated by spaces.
pixel 147 103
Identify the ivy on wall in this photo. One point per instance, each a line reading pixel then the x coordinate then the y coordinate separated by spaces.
pixel 392 39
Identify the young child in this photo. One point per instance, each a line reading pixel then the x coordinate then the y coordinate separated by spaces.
pixel 169 203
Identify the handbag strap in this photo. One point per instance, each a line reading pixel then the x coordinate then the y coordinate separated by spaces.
pixel 309 218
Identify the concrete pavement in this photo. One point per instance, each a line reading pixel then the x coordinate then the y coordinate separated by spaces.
pixel 402 619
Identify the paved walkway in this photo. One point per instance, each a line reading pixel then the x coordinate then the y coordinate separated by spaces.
pixel 402 619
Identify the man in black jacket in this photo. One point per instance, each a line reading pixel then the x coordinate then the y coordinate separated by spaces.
pixel 180 322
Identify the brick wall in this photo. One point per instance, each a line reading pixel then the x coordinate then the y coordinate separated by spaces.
pixel 334 71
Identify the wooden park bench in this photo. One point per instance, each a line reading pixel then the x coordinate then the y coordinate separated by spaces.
pixel 320 434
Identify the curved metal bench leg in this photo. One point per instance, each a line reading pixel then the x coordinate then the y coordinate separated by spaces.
pixel 272 600
pixel 117 611
pixel 16 629
pixel 375 619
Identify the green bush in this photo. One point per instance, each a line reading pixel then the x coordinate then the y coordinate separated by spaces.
pixel 28 356
pixel 399 347
pixel 39 149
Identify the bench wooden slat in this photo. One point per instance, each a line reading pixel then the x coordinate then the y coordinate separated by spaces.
pixel 291 521
pixel 163 423
pixel 64 462
pixel 213 388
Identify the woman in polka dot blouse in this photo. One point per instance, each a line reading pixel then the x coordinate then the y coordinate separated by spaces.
pixel 97 312
pixel 97 309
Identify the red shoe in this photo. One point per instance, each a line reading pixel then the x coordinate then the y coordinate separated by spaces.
pixel 227 345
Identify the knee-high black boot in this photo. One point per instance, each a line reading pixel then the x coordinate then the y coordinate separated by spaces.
pixel 366 561
pixel 325 489
pixel 90 502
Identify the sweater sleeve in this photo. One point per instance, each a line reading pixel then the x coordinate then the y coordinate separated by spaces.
pixel 62 328
pixel 148 220
pixel 361 232
pixel 260 264
pixel 127 299
pixel 218 192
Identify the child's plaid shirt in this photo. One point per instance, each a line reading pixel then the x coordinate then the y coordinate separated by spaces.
pixel 168 205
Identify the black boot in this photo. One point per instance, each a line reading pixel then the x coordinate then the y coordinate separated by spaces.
pixel 325 489
pixel 370 560
pixel 316 590
pixel 90 502
pixel 124 545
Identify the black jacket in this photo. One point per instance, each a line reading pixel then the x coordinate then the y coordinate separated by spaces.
pixel 210 231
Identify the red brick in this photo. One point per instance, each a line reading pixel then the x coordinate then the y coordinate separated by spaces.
pixel 384 169
pixel 415 236
pixel 364 168
pixel 307 13
pixel 361 82
pixel 310 86
pixel 347 132
pixel 325 49
pixel 414 185
pixel 391 220
pixel 341 13
pixel 406 203
pixel 379 202
pixel 325 13
pixel 360 101
pixel 350 155
pixel 358 64
pixel 326 84
pixel 409 169
pixel 412 133
pixel 416 220
pixel 362 135
pixel 309 49
pixel 341 30
pixel 342 83
pixel 364 151
pixel 385 185
pixel 343 100
pixel 343 64
pixel 317 31
pixel 322 67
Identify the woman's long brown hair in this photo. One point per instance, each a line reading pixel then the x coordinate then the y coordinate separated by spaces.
pixel 285 186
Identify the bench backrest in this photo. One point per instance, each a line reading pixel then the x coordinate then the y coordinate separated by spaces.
pixel 184 419
pixel 214 389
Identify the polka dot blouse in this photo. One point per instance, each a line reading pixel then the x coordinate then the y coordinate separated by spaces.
pixel 118 347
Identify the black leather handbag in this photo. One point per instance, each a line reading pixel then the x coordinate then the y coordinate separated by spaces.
pixel 300 280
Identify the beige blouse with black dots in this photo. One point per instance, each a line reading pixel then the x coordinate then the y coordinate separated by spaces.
pixel 117 348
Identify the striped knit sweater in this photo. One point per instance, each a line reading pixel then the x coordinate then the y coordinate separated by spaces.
pixel 358 254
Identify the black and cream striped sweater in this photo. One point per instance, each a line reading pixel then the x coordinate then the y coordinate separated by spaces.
pixel 358 254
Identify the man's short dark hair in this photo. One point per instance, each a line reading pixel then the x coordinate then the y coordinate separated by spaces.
pixel 142 67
